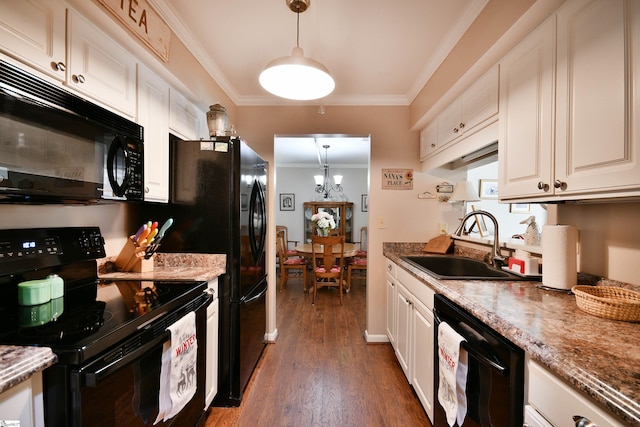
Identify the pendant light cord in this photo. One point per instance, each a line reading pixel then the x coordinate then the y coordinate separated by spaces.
pixel 298 26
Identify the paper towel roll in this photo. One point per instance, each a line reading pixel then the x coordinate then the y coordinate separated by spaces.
pixel 559 263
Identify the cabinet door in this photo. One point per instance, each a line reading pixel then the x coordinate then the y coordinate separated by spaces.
pixel 480 101
pixel 211 381
pixel 153 115
pixel 597 139
pixel 33 31
pixel 429 140
pixel 100 68
pixel 526 116
pixel 184 116
pixel 449 123
pixel 391 309
pixel 403 329
pixel 422 357
pixel 23 402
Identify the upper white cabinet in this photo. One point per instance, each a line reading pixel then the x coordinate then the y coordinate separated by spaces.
pixel 477 106
pixel 153 115
pixel 34 32
pixel 98 67
pixel 526 114
pixel 185 119
pixel 594 149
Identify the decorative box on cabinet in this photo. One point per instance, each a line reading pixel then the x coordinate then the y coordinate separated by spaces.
pixel 593 152
pixel 342 214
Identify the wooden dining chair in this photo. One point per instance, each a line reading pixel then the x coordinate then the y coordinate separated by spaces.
pixel 359 261
pixel 289 245
pixel 328 263
pixel 288 263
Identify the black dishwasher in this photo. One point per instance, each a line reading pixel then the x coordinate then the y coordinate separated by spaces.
pixel 495 377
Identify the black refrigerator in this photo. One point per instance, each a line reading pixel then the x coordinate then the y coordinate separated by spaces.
pixel 218 203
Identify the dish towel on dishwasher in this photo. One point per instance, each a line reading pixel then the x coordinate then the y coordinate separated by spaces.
pixel 452 361
pixel 178 373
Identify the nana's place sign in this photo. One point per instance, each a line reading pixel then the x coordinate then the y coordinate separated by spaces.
pixel 140 18
pixel 397 179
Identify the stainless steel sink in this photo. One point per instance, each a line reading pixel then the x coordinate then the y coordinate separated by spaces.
pixel 450 267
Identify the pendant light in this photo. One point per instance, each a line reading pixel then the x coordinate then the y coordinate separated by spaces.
pixel 323 182
pixel 297 77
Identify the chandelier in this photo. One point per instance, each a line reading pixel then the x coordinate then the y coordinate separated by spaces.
pixel 323 182
pixel 297 77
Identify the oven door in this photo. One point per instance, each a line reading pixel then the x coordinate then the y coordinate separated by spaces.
pixel 121 389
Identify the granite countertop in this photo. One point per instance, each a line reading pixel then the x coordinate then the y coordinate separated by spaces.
pixel 599 357
pixel 167 266
pixel 17 363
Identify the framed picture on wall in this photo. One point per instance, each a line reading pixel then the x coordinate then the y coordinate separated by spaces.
pixel 488 188
pixel 520 208
pixel 287 202
pixel 364 203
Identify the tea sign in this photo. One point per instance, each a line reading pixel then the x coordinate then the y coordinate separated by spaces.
pixel 397 179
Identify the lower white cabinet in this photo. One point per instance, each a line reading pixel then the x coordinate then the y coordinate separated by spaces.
pixel 557 402
pixel 410 328
pixel 23 403
pixel 211 382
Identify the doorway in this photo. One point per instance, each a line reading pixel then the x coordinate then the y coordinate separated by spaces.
pixel 299 159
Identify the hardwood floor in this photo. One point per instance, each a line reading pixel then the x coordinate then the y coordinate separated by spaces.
pixel 321 372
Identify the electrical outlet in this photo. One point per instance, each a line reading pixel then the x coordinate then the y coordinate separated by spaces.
pixel 381 222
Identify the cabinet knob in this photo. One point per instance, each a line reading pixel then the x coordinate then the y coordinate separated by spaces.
pixel 559 184
pixel 433 145
pixel 456 130
pixel 146 190
pixel 461 126
pixel 59 66
pixel 542 186
pixel 78 78
pixel 583 421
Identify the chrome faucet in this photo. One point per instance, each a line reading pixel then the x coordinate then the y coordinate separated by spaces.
pixel 497 260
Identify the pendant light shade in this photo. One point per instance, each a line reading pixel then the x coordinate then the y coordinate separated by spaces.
pixel 297 77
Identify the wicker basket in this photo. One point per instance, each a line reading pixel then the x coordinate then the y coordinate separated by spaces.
pixel 611 302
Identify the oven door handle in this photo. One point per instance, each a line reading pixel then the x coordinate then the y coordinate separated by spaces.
pixel 494 364
pixel 92 376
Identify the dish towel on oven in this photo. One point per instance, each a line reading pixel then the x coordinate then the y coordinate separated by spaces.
pixel 453 374
pixel 178 373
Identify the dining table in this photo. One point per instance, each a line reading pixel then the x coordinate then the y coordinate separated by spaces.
pixel 306 250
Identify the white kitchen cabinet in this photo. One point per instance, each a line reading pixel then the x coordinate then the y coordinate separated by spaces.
pixel 24 402
pixel 185 119
pixel 153 115
pixel 391 290
pixel 474 109
pixel 526 114
pixel 412 328
pixel 557 402
pixel 593 152
pixel 99 67
pixel 211 381
pixel 403 329
pixel 33 32
pixel 422 355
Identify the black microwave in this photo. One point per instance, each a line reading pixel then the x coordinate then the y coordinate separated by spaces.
pixel 56 147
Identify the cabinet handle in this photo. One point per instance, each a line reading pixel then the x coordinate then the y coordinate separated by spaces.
pixel 583 421
pixel 433 145
pixel 461 126
pixel 59 66
pixel 79 78
pixel 542 186
pixel 559 184
pixel 456 130
pixel 146 189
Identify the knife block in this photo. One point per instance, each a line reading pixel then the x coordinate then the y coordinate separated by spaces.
pixel 131 258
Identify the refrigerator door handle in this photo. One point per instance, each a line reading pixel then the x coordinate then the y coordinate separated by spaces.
pixel 257 242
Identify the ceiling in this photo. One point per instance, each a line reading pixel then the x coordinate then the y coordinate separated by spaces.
pixel 309 151
pixel 379 52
